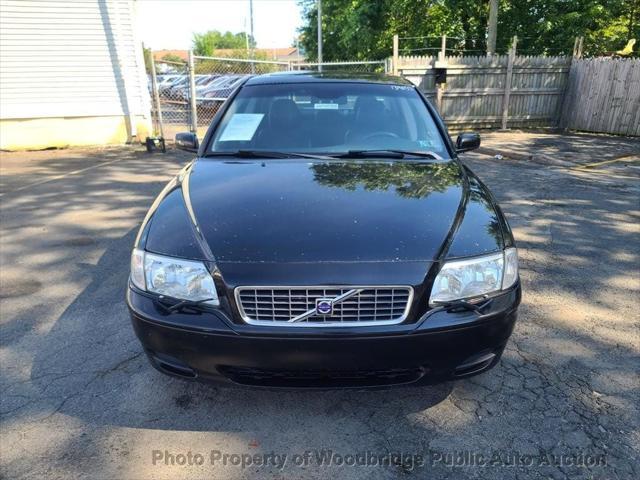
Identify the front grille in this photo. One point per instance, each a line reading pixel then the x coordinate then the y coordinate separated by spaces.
pixel 365 307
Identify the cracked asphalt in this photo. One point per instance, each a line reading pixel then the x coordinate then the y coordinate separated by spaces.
pixel 79 400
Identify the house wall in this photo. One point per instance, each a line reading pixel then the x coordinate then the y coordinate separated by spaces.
pixel 71 73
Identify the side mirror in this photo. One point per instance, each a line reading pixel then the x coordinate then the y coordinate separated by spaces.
pixel 187 141
pixel 467 141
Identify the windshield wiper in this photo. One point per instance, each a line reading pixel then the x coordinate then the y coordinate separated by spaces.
pixel 183 304
pixel 464 305
pixel 265 154
pixel 388 153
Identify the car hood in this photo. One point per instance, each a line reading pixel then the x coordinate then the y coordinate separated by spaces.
pixel 300 211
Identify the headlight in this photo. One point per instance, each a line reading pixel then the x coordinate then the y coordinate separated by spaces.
pixel 172 277
pixel 462 279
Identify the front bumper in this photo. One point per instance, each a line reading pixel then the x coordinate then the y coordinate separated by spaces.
pixel 208 346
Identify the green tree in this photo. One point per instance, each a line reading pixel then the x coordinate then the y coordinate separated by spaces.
pixel 205 44
pixel 222 66
pixel 408 180
pixel 171 57
pixel 147 53
pixel 551 27
pixel 364 29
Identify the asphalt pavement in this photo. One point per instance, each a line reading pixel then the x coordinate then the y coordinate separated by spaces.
pixel 79 399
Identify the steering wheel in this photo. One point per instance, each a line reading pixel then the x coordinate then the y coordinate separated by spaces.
pixel 380 134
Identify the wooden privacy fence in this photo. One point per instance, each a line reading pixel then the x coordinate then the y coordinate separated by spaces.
pixel 497 91
pixel 603 95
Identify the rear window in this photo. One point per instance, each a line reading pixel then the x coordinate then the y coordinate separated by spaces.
pixel 328 117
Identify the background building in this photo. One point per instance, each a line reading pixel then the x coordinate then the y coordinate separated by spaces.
pixel 286 54
pixel 71 73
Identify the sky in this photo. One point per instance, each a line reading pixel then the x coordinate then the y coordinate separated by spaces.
pixel 170 24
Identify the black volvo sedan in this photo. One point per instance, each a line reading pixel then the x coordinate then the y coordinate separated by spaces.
pixel 326 235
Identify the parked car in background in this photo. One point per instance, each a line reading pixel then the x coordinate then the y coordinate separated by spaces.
pixel 162 80
pixel 175 89
pixel 166 79
pixel 201 84
pixel 225 83
pixel 221 79
pixel 326 235
pixel 211 98
pixel 165 88
pixel 209 81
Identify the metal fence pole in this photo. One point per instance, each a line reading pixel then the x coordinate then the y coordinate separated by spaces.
pixel 156 96
pixel 192 94
pixel 441 63
pixel 252 51
pixel 507 85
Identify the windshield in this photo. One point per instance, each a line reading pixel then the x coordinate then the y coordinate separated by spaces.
pixel 327 117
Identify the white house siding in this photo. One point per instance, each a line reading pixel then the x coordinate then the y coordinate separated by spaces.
pixel 71 72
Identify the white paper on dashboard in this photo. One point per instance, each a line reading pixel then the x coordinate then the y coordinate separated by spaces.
pixel 241 127
pixel 326 106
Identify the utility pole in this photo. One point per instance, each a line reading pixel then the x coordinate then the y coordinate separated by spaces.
pixel 253 67
pixel 246 36
pixel 319 35
pixel 492 27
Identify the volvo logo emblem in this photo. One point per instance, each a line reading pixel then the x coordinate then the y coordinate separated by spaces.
pixel 324 306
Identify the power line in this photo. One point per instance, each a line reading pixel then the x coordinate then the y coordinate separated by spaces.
pixel 425 36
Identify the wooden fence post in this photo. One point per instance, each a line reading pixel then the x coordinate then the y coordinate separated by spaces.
pixel 568 92
pixel 395 54
pixel 507 85
pixel 442 59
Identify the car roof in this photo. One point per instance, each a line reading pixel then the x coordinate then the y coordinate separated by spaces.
pixel 318 77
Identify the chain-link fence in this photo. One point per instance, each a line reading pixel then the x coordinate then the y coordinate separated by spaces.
pixel 187 95
pixel 171 94
pixel 351 67
pixel 219 76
